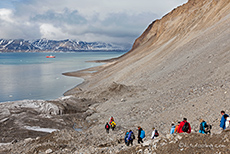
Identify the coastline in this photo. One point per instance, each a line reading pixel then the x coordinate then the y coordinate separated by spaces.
pixel 87 73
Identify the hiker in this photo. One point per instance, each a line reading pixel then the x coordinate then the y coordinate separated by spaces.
pixel 176 128
pixel 154 133
pixel 141 134
pixel 172 128
pixel 107 127
pixel 111 120
pixel 131 137
pixel 203 125
pixel 126 137
pixel 184 126
pixel 227 120
pixel 113 125
pixel 223 120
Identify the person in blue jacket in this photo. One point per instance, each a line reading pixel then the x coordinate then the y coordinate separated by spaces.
pixel 172 129
pixel 126 138
pixel 202 126
pixel 141 135
pixel 223 120
pixel 131 137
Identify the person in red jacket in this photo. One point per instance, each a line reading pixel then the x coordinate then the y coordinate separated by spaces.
pixel 184 127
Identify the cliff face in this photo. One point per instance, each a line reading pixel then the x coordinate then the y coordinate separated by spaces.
pixel 195 30
pixel 192 17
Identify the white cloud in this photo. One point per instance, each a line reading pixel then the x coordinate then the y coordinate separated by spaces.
pixel 6 15
pixel 88 20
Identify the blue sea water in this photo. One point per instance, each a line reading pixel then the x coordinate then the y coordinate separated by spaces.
pixel 33 76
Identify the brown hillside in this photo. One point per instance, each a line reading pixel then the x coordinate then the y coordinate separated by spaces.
pixel 178 67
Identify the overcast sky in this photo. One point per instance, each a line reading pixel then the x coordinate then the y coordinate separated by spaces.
pixel 86 20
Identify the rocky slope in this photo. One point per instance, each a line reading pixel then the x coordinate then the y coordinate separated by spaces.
pixel 179 67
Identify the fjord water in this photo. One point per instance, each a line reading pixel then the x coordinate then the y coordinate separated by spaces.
pixel 33 76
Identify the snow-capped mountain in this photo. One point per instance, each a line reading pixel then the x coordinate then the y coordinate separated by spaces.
pixel 21 45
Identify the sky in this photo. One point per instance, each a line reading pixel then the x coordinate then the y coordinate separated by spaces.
pixel 120 21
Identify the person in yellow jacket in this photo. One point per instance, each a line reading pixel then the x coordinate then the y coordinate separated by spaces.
pixel 113 125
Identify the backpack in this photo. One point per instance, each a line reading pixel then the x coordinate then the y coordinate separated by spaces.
pixel 142 135
pixel 185 127
pixel 107 126
pixel 126 137
pixel 208 128
pixel 132 136
pixel 156 133
pixel 113 124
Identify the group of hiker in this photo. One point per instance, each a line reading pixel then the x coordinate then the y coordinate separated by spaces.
pixel 111 125
pixel 204 128
pixel 181 127
pixel 129 136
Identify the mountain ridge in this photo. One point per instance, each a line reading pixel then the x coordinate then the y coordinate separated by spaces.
pixel 44 45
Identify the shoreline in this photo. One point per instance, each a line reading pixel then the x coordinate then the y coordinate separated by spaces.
pixel 87 73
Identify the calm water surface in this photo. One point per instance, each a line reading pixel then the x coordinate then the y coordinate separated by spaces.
pixel 33 76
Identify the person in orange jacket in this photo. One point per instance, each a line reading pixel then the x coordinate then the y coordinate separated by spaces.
pixel 176 128
pixel 184 127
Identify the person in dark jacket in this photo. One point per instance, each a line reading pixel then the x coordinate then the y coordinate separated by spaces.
pixel 139 135
pixel 223 120
pixel 131 137
pixel 107 127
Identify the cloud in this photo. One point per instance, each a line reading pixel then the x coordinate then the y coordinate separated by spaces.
pixel 12 27
pixel 88 20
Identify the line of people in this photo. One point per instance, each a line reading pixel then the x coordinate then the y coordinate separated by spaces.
pixel 205 128
pixel 129 136
pixel 181 127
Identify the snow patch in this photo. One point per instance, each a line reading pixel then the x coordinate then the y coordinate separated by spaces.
pixel 39 129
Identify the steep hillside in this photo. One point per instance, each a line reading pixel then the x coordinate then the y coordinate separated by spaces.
pixel 194 29
pixel 179 67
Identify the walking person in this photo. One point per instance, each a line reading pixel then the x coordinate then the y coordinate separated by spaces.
pixel 107 127
pixel 113 125
pixel 126 138
pixel 131 137
pixel 111 120
pixel 176 128
pixel 227 122
pixel 184 126
pixel 203 125
pixel 223 120
pixel 141 135
pixel 172 128
pixel 154 133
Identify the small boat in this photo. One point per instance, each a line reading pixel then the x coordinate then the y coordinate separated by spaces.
pixel 50 56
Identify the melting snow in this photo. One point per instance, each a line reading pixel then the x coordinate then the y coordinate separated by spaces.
pixel 39 129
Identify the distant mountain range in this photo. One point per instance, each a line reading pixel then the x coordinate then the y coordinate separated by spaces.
pixel 44 45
